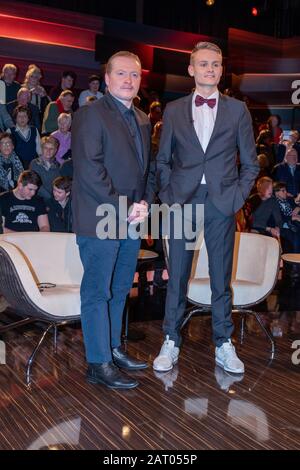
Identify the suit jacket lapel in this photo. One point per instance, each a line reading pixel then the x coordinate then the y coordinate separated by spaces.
pixel 220 119
pixel 190 121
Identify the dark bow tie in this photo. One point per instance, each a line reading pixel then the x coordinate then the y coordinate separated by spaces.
pixel 199 101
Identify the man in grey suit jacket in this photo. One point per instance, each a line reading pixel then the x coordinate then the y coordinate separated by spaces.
pixel 197 165
pixel 110 150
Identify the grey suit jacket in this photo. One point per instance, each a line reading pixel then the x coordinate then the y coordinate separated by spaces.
pixel 181 160
pixel 105 162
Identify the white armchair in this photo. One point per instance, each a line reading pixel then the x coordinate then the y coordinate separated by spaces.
pixel 254 275
pixel 40 276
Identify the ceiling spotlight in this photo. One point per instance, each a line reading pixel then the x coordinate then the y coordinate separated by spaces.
pixel 254 11
pixel 210 3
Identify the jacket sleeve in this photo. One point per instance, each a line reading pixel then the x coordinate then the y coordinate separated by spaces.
pixel 248 158
pixel 165 153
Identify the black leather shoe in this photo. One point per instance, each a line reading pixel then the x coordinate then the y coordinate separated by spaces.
pixel 108 374
pixel 126 362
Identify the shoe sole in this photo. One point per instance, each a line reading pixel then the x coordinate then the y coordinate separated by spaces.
pixel 233 371
pixel 113 387
pixel 166 370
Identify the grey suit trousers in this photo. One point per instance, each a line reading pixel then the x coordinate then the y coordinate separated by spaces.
pixel 219 232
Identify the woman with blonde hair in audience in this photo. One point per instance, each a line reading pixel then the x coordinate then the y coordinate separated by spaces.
pixel 263 211
pixel 63 135
pixel 38 93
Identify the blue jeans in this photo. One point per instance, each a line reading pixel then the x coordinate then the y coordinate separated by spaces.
pixel 109 267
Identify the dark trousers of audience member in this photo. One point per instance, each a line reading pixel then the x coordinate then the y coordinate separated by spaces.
pixel 109 267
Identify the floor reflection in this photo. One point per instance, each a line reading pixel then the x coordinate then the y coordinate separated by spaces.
pixel 66 432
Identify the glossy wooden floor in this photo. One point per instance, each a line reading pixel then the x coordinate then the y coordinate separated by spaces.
pixel 195 406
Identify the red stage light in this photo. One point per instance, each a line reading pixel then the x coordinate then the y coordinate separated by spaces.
pixel 254 11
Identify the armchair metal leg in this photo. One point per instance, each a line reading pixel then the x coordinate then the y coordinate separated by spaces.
pixel 190 312
pixel 260 322
pixel 55 338
pixel 242 328
pixel 30 360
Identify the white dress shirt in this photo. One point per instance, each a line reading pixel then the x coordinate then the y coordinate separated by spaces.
pixel 204 119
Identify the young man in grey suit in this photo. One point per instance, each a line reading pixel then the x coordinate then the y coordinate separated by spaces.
pixel 197 164
pixel 110 151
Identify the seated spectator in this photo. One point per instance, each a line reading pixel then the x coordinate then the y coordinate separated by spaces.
pixel 21 209
pixel 263 165
pixel 93 90
pixel 46 166
pixel 26 138
pixel 285 145
pixel 155 139
pixel 11 87
pixel 59 206
pixel 38 93
pixel 63 135
pixel 67 82
pixel 274 122
pixel 155 113
pixel 10 164
pixel 62 105
pixel 67 168
pixel 263 211
pixel 290 214
pixel 289 172
pixel 294 139
pixel 23 99
pixel 6 121
pixel 264 145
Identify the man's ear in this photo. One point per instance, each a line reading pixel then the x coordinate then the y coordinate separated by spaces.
pixel 191 70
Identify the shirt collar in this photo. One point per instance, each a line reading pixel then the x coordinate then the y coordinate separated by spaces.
pixel 121 106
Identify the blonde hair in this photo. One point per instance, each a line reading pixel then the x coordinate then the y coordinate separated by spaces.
pixel 65 116
pixel 32 69
pixel 9 67
pixel 128 54
pixel 204 45
pixel 49 140
pixel 263 183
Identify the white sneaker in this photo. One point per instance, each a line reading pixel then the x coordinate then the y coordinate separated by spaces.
pixel 167 357
pixel 227 359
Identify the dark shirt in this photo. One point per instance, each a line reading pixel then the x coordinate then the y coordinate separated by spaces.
pixel 60 218
pixel 21 215
pixel 264 213
pixel 11 91
pixel 133 127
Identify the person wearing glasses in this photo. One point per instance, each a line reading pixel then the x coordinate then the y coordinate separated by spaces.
pixel 10 164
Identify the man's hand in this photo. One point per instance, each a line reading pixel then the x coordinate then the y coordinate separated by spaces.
pixel 138 212
pixel 296 211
